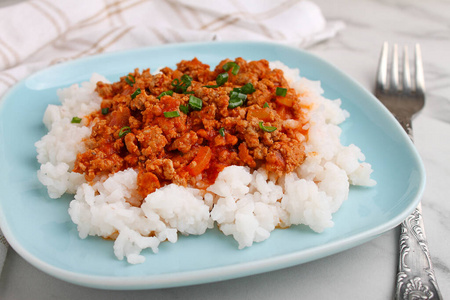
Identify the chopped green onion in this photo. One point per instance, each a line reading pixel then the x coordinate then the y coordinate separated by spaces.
pixel 248 88
pixel 233 103
pixel 222 131
pixel 184 108
pixel 176 82
pixel 267 128
pixel 168 93
pixel 105 111
pixel 136 92
pixel 266 104
pixel 195 103
pixel 75 120
pixel 124 130
pixel 221 79
pixel 231 65
pixel 236 99
pixel 281 92
pixel 186 78
pixel 180 86
pixel 130 82
pixel 238 95
pixel 171 114
pixel 188 93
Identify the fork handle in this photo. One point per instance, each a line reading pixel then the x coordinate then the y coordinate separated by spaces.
pixel 407 125
pixel 415 277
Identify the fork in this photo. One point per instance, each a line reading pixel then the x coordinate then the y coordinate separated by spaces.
pixel 415 277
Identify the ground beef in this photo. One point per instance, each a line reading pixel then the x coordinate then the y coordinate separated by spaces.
pixel 146 122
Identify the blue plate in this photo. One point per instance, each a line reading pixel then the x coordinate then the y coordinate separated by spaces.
pixel 40 229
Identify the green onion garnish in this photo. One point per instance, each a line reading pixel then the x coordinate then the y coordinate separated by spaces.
pixel 176 82
pixel 186 78
pixel 105 111
pixel 233 103
pixel 195 103
pixel 136 92
pixel 247 88
pixel 281 92
pixel 239 95
pixel 266 104
pixel 168 93
pixel 222 131
pixel 130 82
pixel 267 128
pixel 171 114
pixel 233 66
pixel 184 108
pixel 180 86
pixel 124 130
pixel 221 79
pixel 75 120
pixel 236 99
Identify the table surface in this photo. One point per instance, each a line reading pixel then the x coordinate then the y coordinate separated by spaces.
pixel 364 272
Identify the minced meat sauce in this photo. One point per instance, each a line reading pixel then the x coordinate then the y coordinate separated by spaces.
pixel 184 126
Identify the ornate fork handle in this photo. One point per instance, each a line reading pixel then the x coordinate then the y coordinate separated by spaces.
pixel 422 284
pixel 415 277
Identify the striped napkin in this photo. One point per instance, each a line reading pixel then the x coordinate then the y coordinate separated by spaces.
pixel 38 33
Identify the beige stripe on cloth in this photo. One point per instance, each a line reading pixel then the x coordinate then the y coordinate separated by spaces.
pixel 37 33
pixel 47 15
pixel 9 53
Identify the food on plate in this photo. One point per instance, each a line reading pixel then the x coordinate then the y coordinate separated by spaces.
pixel 249 146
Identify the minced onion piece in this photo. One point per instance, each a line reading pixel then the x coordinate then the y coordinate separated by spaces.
pixel 281 92
pixel 171 114
pixel 267 128
pixel 195 103
pixel 124 130
pixel 136 92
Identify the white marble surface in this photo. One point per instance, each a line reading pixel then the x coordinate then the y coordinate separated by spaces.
pixel 364 272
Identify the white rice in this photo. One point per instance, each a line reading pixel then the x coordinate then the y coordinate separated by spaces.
pixel 246 205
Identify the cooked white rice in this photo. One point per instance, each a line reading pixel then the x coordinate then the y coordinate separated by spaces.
pixel 246 205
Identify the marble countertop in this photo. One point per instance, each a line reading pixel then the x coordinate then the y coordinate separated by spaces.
pixel 364 272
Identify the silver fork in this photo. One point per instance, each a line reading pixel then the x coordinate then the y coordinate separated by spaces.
pixel 415 277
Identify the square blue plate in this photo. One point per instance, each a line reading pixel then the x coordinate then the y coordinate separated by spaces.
pixel 40 229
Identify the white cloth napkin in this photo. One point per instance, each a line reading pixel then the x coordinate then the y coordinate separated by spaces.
pixel 38 33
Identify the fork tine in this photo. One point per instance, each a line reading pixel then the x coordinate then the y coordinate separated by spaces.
pixel 420 80
pixel 406 72
pixel 382 68
pixel 394 87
